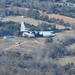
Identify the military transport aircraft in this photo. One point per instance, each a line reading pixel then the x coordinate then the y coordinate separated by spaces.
pixel 34 34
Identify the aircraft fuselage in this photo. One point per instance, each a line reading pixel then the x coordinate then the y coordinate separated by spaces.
pixel 38 34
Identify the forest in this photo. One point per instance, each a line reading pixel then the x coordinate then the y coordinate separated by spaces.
pixel 7 7
pixel 38 62
pixel 44 61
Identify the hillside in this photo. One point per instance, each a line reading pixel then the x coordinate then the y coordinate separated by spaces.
pixel 56 16
pixel 64 18
pixel 20 19
pixel 21 55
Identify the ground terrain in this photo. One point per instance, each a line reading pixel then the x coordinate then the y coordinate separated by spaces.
pixel 20 19
pixel 29 45
pixel 26 44
pixel 64 18
pixel 56 16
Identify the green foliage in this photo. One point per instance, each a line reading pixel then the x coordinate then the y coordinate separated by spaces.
pixel 32 13
pixel 27 56
pixel 48 6
pixel 12 54
pixel 32 64
pixel 72 1
pixel 55 50
pixel 44 18
pixel 44 26
pixel 68 41
pixel 69 66
pixel 12 28
pixel 73 27
pixel 8 28
pixel 53 27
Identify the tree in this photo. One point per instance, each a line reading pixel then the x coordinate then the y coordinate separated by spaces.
pixel 33 13
pixel 53 27
pixel 55 50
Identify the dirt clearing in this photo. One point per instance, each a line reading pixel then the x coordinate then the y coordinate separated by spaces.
pixel 25 44
pixel 20 19
pixel 64 18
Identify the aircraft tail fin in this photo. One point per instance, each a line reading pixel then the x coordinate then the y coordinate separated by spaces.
pixel 23 28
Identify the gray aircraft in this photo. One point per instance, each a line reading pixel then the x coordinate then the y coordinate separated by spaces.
pixel 32 34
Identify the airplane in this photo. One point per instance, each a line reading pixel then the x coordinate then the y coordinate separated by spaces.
pixel 33 34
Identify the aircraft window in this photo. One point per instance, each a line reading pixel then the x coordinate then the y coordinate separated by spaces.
pixel 28 32
pixel 34 32
pixel 38 33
